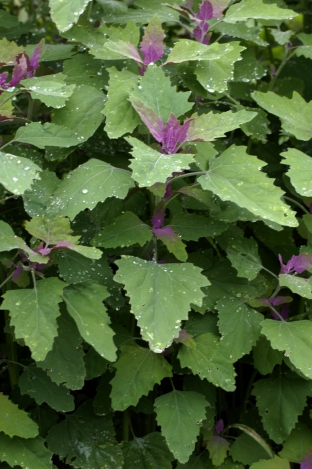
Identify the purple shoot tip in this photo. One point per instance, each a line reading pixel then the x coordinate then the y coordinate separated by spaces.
pixel 152 45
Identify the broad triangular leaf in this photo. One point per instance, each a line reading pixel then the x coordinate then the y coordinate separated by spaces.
pixel 51 90
pixel 293 338
pixel 218 448
pixel 160 296
pixel 299 285
pixel 138 369
pixel 47 135
pixel 295 113
pixel 37 384
pixel 300 179
pixel 33 313
pixel 150 166
pixel 84 302
pixel 235 176
pixel 275 463
pixel 306 49
pixel 191 227
pixel 149 452
pixel 185 50
pixel 239 326
pixel 120 115
pixel 257 9
pixel 280 401
pixel 180 426
pixel 25 453
pixel 64 363
pixel 15 422
pixel 210 360
pixel 265 357
pixel 65 14
pixel 156 92
pixel 126 230
pixel 297 444
pixel 90 183
pixel 152 45
pixel 17 173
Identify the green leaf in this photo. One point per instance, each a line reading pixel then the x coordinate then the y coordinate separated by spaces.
pixel 293 338
pixel 282 37
pixel 138 369
pixel 247 450
pixel 306 49
pixel 200 461
pixel 240 30
pixel 87 441
pixel 127 230
pixel 38 197
pixel 297 444
pixel 149 166
pixel 280 401
pixel 25 453
pixel 156 92
pixel 210 126
pixel 160 296
pixel 33 313
pixel 214 74
pixel 209 359
pixel 275 463
pixel 17 173
pixel 84 302
pixel 9 49
pixel 295 113
pixel 84 70
pixel 15 422
pixel 65 14
pixel 191 227
pixel 179 413
pixel 149 452
pixel 248 68
pixel 47 135
pixel 250 432
pixel 235 176
pixel 239 326
pixel 51 90
pixel 92 182
pixel 218 448
pixel 258 127
pixel 64 363
pixel 37 384
pixel 244 257
pixel 299 285
pixel 257 9
pixel 301 180
pixel 265 358
pixel 120 115
pixel 185 50
pixel 82 116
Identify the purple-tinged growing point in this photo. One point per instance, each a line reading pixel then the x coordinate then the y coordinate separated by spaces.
pixel 175 134
pixel 158 216
pixel 152 45
pixel 306 463
pixel 205 14
pixel 165 233
pixel 153 122
pixel 34 59
pixel 219 426
pixel 296 264
pixel 205 11
pixel 276 301
pixel 284 313
pixel 183 337
pixel 3 78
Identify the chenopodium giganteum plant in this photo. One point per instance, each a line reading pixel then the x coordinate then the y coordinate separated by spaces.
pixel 156 235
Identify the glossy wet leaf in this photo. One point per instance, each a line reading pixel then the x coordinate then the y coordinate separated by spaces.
pixel 25 453
pixel 301 180
pixel 192 226
pixel 38 196
pixel 84 302
pixel 299 285
pixel 138 370
pixel 257 9
pixel 179 413
pixel 17 173
pixel 14 421
pixel 65 14
pixel 275 463
pixel 265 357
pixel 51 90
pixel 9 241
pixel 150 451
pixel 47 135
pixel 33 314
pixel 160 296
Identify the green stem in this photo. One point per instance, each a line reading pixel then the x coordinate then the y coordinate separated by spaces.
pixel 277 313
pixel 30 108
pixel 296 203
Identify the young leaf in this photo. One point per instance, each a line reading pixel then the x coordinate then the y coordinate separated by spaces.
pixel 17 173
pixel 64 363
pixel 280 401
pixel 218 448
pixel 179 413
pixel 152 121
pixel 37 384
pixel 306 49
pixel 295 113
pixel 239 326
pixel 301 180
pixel 25 453
pixel 92 182
pixel 150 452
pixel 235 176
pixel 138 369
pixel 172 242
pixel 120 116
pixel 210 360
pixel 275 463
pixel 15 422
pixel 66 14
pixel 46 135
pixel 185 50
pixel 160 296
pixel 293 338
pixel 84 302
pixel 298 285
pixel 33 313
pixel 127 230
pixel 51 90
pixel 149 166
pixel 38 197
pixel 82 116
pixel 156 93
pixel 152 46
pixel 257 9
pixel 85 440
pixel 125 49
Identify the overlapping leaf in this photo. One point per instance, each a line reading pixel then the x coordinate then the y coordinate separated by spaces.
pixel 265 357
pixel 257 9
pixel 47 135
pixel 15 422
pixel 65 14
pixel 150 452
pixel 301 180
pixel 192 226
pixel 17 173
pixel 25 453
pixel 9 241
pixel 51 90
pixel 160 296
pixel 33 314
pixel 138 369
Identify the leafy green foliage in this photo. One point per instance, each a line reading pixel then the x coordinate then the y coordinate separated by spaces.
pixel 150 451
pixel 15 422
pixel 25 453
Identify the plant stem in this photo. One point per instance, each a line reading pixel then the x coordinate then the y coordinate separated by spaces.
pixel 296 203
